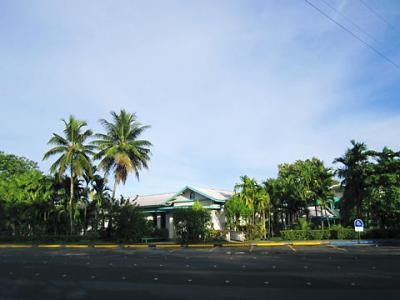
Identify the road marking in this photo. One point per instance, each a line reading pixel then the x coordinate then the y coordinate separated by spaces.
pixel 76 246
pixel 212 249
pixel 136 246
pixel 236 245
pixel 271 244
pixel 112 246
pixel 168 246
pixel 50 246
pixel 336 247
pixel 200 246
pixel 292 248
pixel 305 243
pixel 15 246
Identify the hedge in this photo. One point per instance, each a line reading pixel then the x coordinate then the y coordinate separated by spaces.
pixel 339 233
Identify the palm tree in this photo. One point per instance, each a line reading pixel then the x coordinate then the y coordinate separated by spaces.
pixel 120 149
pixel 353 173
pixel 74 155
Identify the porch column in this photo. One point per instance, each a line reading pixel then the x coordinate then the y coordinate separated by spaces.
pixel 158 221
pixel 171 227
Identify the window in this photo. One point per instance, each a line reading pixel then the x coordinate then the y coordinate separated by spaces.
pixel 192 195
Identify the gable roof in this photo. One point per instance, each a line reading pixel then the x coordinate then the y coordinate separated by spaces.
pixel 216 195
pixel 153 200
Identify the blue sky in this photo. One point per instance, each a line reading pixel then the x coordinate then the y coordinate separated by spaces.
pixel 229 87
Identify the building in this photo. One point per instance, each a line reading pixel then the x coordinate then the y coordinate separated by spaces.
pixel 160 208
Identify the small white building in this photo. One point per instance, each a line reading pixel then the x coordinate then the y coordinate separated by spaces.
pixel 160 207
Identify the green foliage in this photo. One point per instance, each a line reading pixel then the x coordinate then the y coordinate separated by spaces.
pixel 250 204
pixel 129 223
pixel 191 224
pixel 11 165
pixel 294 234
pixel 309 234
pixel 216 235
pixel 371 182
pixel 235 210
pixel 73 155
pixel 304 224
pixel 120 149
pixel 318 234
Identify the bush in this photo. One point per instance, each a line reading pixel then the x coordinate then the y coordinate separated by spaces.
pixel 318 234
pixel 216 235
pixel 130 224
pixel 191 224
pixel 336 232
pixel 294 234
pixel 343 233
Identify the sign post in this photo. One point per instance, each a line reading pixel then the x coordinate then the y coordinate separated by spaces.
pixel 358 227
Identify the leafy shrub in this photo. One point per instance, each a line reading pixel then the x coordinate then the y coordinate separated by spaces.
pixel 294 234
pixel 191 224
pixel 216 235
pixel 304 224
pixel 343 233
pixel 337 232
pixel 250 231
pixel 318 234
pixel 130 224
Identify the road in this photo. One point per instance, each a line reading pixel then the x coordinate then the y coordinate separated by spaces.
pixel 354 272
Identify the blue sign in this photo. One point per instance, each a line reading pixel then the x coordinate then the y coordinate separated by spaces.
pixel 358 225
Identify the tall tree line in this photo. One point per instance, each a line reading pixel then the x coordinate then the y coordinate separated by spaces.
pixel 75 196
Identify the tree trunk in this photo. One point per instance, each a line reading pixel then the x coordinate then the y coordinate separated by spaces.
pixel 109 225
pixel 71 197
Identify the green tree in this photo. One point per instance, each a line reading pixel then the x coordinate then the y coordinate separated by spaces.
pixel 354 172
pixel 11 165
pixel 382 203
pixel 74 155
pixel 120 149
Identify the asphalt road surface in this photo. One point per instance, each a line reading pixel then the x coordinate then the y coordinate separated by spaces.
pixel 354 272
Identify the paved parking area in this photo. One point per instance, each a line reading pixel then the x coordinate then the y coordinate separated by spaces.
pixel 366 272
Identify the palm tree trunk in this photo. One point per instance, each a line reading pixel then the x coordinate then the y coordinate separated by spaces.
pixel 114 189
pixel 110 213
pixel 71 197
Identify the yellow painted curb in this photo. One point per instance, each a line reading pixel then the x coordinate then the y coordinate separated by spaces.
pixel 76 246
pixel 237 245
pixel 168 246
pixel 50 246
pixel 136 246
pixel 309 243
pixel 107 246
pixel 15 246
pixel 271 244
pixel 200 246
